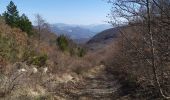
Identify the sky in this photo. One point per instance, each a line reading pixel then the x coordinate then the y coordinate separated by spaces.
pixel 82 12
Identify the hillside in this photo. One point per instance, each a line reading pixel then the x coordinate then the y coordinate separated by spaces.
pixel 63 62
pixel 46 71
pixel 102 39
pixel 96 27
pixel 74 32
pixel 34 67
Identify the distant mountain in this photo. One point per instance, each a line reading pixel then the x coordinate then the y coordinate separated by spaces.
pixel 79 33
pixel 102 39
pixel 97 28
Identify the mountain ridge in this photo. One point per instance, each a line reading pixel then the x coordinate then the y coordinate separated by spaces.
pixel 78 32
pixel 103 38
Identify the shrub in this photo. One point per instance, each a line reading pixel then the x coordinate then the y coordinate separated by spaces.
pixel 13 42
pixel 77 51
pixel 28 54
pixel 72 52
pixel 63 43
pixel 81 52
pixel 39 60
pixel 8 49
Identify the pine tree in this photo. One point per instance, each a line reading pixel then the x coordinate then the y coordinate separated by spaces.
pixel 63 42
pixel 12 15
pixel 25 25
pixel 13 19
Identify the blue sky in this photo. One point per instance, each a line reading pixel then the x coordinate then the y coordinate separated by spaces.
pixel 63 11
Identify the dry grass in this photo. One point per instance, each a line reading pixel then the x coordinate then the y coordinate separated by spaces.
pixel 18 81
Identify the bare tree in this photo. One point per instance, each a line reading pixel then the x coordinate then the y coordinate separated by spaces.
pixel 150 20
pixel 39 22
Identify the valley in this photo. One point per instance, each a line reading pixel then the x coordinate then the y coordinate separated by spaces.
pixel 79 33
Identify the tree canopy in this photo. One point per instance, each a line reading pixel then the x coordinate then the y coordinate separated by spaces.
pixel 11 15
pixel 13 19
pixel 25 25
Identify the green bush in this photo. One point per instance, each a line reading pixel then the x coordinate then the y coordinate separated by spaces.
pixel 78 51
pixel 25 25
pixel 34 58
pixel 39 60
pixel 67 45
pixel 81 52
pixel 72 52
pixel 28 55
pixel 63 43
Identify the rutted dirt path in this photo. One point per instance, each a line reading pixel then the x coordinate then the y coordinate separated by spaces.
pixel 97 85
pixel 102 86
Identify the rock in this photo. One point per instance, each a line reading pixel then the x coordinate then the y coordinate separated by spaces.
pixel 34 70
pixel 45 70
pixel 22 70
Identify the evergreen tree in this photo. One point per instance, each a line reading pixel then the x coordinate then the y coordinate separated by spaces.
pixel 13 19
pixel 25 25
pixel 12 15
pixel 63 43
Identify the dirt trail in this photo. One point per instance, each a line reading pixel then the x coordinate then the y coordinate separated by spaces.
pixel 101 86
pixel 98 85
